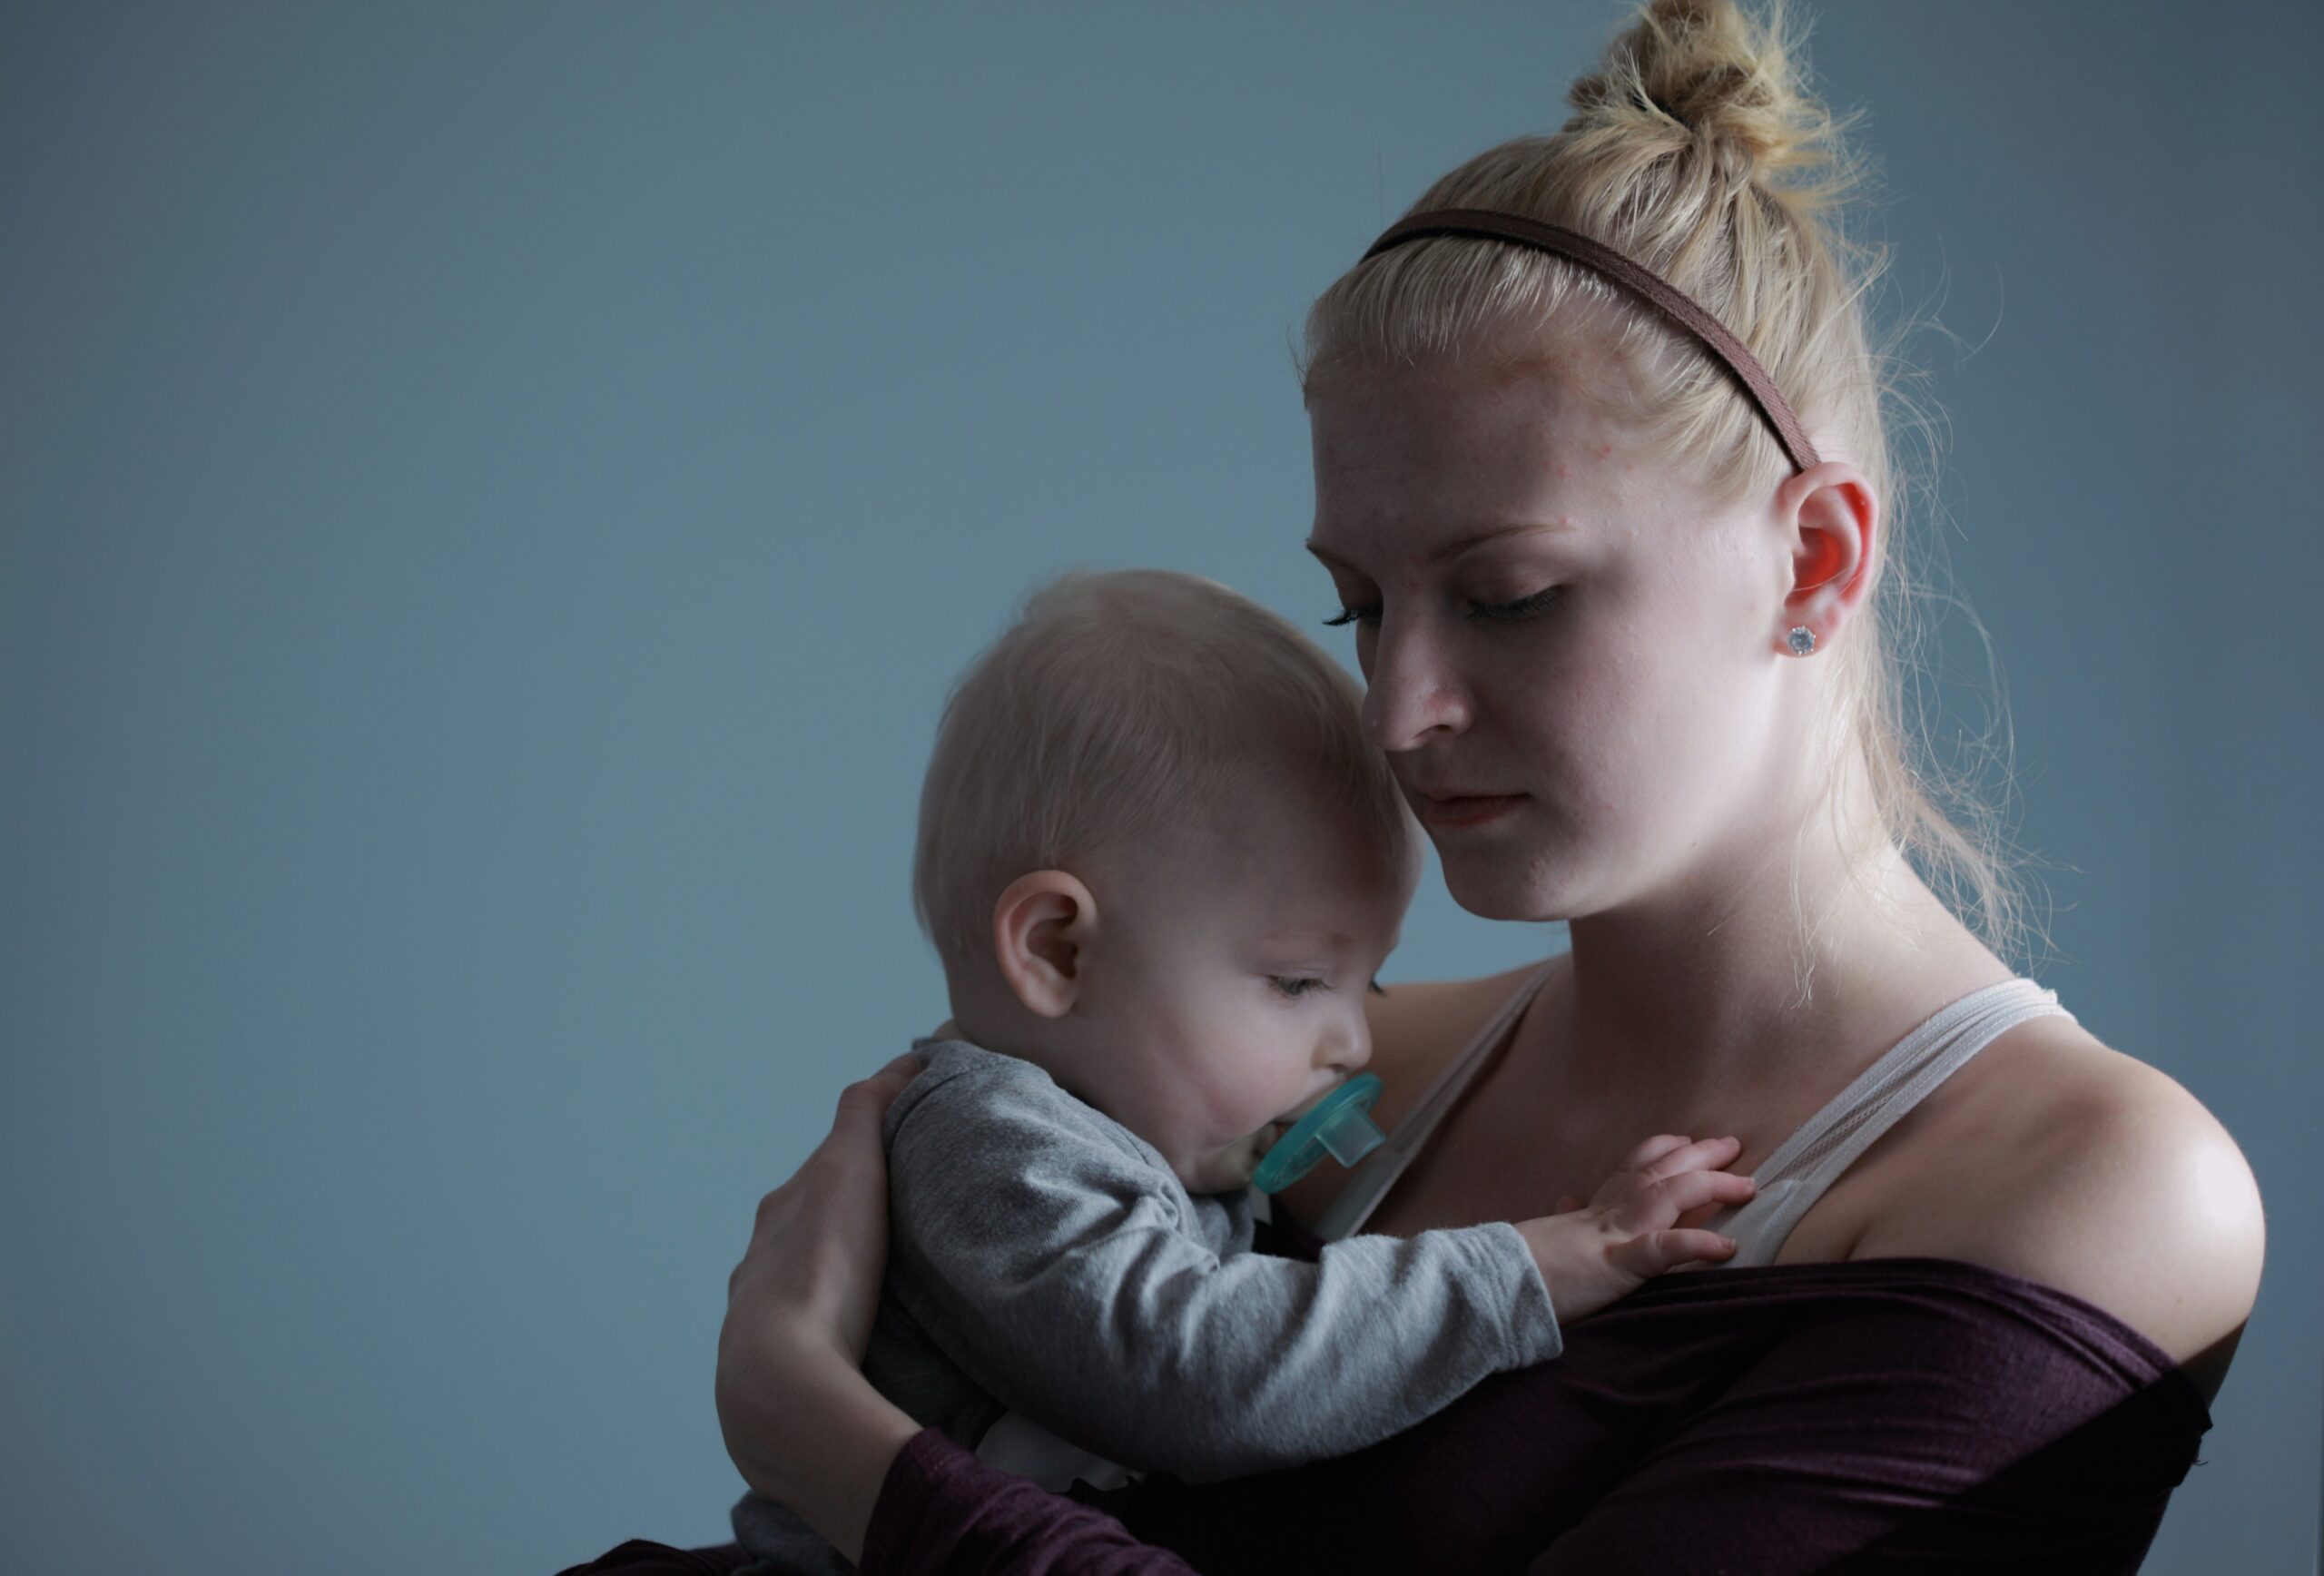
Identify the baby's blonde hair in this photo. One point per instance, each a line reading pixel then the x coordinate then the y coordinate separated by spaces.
pixel 1696 149
pixel 1119 708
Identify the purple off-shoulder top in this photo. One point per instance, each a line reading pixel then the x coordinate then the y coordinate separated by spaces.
pixel 1875 1415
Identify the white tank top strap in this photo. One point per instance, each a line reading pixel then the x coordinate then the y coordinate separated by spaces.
pixel 1796 1175
pixel 1793 1177
pixel 1379 1170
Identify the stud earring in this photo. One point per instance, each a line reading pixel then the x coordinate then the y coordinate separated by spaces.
pixel 1802 640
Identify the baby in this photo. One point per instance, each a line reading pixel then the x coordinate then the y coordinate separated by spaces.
pixel 1162 865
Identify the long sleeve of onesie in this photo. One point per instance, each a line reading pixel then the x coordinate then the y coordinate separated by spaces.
pixel 1055 1258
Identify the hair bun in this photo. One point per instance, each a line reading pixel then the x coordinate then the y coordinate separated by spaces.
pixel 1703 72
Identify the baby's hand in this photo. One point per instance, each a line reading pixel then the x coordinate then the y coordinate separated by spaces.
pixel 1624 1237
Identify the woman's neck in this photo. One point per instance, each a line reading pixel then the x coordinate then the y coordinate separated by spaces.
pixel 1732 993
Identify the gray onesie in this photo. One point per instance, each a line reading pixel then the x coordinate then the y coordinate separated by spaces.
pixel 1044 1259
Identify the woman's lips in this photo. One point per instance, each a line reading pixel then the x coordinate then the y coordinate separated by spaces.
pixel 1467 810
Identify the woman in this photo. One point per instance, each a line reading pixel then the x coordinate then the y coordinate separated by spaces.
pixel 1623 593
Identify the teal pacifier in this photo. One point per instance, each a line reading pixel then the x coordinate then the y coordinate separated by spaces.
pixel 1341 1126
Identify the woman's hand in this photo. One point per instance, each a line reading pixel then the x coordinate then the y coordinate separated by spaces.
pixel 1590 1254
pixel 800 1421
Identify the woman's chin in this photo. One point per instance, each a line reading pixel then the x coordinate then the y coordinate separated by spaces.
pixel 1494 891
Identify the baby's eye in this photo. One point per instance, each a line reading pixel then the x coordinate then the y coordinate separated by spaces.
pixel 1293 985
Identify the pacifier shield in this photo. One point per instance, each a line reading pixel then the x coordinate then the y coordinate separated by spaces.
pixel 1341 1126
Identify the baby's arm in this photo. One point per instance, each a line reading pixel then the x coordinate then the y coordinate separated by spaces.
pixel 1593 1254
pixel 1046 1257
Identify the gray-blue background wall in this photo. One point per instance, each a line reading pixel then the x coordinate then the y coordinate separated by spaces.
pixel 491 498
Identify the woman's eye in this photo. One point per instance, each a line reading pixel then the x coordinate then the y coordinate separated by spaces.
pixel 1524 607
pixel 1293 985
pixel 1510 612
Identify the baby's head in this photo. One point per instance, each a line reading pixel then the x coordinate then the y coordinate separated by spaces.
pixel 1161 860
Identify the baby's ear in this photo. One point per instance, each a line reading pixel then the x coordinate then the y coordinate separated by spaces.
pixel 1041 928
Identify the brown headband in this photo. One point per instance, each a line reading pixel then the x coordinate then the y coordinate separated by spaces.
pixel 1638 281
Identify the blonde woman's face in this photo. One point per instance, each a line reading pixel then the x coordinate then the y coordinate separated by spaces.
pixel 1569 650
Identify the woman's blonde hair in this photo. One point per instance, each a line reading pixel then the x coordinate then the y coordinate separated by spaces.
pixel 1121 709
pixel 1696 150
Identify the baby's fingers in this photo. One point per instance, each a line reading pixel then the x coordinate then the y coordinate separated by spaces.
pixel 1653 1149
pixel 1692 1189
pixel 1698 1154
pixel 1650 1253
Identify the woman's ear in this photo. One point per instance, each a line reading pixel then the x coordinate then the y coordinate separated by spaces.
pixel 1831 518
pixel 1041 929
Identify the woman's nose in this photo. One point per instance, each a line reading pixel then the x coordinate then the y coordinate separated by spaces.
pixel 1411 691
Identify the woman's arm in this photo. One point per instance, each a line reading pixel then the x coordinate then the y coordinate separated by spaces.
pixel 2096 1174
pixel 800 1421
pixel 806 1428
pixel 1905 1415
pixel 1911 1414
pixel 943 1513
pixel 2024 1421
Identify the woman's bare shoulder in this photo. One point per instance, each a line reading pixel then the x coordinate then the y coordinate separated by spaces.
pixel 2090 1171
pixel 1416 1027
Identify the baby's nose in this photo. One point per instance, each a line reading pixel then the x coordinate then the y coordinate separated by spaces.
pixel 1350 1048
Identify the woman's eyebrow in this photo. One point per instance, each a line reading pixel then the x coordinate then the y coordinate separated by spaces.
pixel 1453 549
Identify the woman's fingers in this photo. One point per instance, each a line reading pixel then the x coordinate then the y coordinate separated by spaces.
pixel 906 1066
pixel 872 1096
pixel 853 1142
pixel 819 1242
pixel 799 1306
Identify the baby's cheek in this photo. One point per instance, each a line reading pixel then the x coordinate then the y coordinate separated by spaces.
pixel 1213 1097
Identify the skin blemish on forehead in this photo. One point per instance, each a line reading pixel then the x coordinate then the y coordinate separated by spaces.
pixel 1505 371
pixel 1416 462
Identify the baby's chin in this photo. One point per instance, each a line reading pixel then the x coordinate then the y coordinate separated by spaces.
pixel 1226 1169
